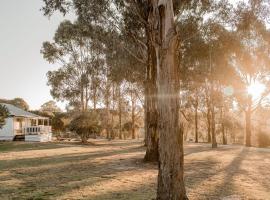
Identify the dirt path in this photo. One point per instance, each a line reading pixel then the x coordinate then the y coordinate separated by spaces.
pixel 115 171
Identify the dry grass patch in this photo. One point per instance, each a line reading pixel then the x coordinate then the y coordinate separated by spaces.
pixel 114 170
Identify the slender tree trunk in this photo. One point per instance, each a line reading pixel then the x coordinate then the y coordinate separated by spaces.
pixel 145 119
pixel 95 98
pixel 86 98
pixel 133 133
pixel 112 114
pixel 107 103
pixel 82 98
pixel 120 112
pixel 208 115
pixel 213 121
pixel 248 123
pixel 171 155
pixel 224 139
pixel 196 121
pixel 151 135
pixel 209 139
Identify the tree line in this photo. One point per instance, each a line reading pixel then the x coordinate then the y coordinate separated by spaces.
pixel 179 60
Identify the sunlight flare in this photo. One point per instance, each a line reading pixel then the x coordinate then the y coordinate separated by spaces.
pixel 256 89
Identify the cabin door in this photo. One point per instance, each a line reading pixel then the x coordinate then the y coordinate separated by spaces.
pixel 18 126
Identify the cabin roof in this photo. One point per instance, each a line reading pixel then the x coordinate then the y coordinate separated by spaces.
pixel 18 112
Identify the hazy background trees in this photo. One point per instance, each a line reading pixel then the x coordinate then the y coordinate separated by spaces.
pixel 18 102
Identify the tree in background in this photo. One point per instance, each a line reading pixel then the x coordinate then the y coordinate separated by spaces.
pixel 85 125
pixel 251 61
pixel 50 107
pixel 76 49
pixel 3 115
pixel 18 102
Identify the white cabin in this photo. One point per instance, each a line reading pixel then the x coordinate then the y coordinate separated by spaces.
pixel 25 125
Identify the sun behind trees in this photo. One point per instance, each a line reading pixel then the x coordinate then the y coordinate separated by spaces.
pixel 195 68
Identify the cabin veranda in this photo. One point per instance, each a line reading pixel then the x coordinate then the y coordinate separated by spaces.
pixel 23 125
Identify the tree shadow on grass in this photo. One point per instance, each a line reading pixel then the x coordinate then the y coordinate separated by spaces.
pixel 199 148
pixel 72 157
pixel 227 187
pixel 146 191
pixel 65 173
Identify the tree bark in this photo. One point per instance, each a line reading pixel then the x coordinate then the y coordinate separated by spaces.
pixel 95 97
pixel 112 114
pixel 196 120
pixel 171 156
pixel 213 122
pixel 107 103
pixel 133 133
pixel 209 140
pixel 82 97
pixel 86 98
pixel 208 115
pixel 151 106
pixel 120 112
pixel 224 139
pixel 151 117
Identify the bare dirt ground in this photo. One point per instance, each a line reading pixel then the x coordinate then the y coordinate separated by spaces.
pixel 114 170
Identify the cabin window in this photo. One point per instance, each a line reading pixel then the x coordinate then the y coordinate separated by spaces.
pixel 40 122
pixel 46 123
pixel 33 122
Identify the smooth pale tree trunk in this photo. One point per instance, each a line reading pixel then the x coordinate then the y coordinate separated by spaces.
pixel 112 114
pixel 107 103
pixel 86 98
pixel 224 139
pixel 120 112
pixel 82 98
pixel 95 98
pixel 133 133
pixel 208 116
pixel 209 139
pixel 151 117
pixel 213 121
pixel 196 120
pixel 248 113
pixel 171 155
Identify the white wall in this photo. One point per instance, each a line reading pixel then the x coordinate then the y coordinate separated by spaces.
pixel 7 132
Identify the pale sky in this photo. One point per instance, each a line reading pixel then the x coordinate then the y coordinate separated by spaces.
pixel 23 28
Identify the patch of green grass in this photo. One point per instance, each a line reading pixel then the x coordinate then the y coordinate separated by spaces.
pixel 24 146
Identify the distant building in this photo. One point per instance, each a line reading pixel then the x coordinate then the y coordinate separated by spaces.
pixel 23 125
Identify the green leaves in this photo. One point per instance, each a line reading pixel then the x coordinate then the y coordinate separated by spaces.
pixel 3 115
pixel 85 124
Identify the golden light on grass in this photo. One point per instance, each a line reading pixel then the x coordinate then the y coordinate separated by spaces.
pixel 256 89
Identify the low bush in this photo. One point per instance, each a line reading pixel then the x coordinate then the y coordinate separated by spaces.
pixel 85 125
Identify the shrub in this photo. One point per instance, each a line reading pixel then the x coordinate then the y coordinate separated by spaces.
pixel 263 139
pixel 3 115
pixel 86 124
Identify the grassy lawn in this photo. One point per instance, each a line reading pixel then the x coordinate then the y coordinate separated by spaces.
pixel 114 170
pixel 23 146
